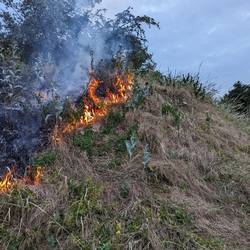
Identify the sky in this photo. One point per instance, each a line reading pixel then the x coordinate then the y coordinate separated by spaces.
pixel 210 37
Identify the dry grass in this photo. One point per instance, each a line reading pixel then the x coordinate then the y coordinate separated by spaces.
pixel 193 194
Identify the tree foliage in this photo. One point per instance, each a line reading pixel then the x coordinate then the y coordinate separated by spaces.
pixel 42 27
pixel 239 97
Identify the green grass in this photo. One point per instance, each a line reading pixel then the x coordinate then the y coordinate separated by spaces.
pixel 84 201
pixel 16 205
pixel 169 109
pixel 84 140
pixel 182 232
pixel 45 159
pixel 113 120
pixel 175 216
pixel 108 228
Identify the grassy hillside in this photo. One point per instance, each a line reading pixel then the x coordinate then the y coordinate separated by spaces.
pixel 169 170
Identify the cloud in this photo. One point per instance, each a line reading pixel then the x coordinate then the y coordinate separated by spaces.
pixel 215 33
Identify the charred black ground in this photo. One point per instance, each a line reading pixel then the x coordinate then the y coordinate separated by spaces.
pixel 21 135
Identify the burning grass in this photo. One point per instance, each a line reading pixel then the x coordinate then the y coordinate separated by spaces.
pixel 9 180
pixel 95 107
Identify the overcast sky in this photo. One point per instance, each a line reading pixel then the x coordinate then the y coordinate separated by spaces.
pixel 212 33
pixel 207 36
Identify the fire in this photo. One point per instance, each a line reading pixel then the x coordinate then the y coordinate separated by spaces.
pixel 96 107
pixel 8 181
pixel 38 176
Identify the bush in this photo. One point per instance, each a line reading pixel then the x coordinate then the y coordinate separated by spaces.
pixel 239 98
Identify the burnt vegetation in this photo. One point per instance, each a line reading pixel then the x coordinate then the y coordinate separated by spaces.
pixel 169 169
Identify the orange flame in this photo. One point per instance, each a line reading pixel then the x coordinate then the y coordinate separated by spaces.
pixel 96 107
pixel 38 176
pixel 8 181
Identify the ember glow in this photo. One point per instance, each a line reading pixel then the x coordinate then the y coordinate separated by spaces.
pixel 95 107
pixel 8 181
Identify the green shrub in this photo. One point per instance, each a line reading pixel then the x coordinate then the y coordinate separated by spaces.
pixel 193 82
pixel 239 98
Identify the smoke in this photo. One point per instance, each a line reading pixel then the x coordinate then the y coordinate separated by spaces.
pixel 68 55
pixel 60 44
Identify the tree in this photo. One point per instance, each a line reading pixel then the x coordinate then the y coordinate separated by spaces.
pixel 239 97
pixel 42 26
pixel 61 28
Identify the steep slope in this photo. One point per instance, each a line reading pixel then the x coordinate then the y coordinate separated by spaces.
pixel 181 183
